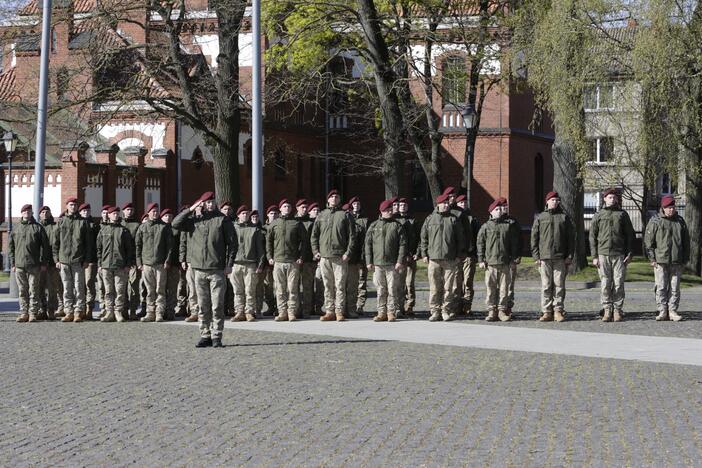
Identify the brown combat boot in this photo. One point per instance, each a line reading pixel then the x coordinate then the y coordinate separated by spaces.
pixel 618 315
pixel 559 315
pixel 32 318
pixel 67 318
pixel 238 317
pixel 662 315
pixel 23 318
pixel 328 317
pixel 504 316
pixel 281 317
pixel 109 317
pixel 380 318
pixel 191 318
pixel 50 315
pixel 77 318
pixel 391 317
pixel 491 316
pixel 148 318
pixel 546 317
pixel 674 316
pixel 292 317
pixel 607 317
pixel 250 318
pixel 340 316
pixel 435 316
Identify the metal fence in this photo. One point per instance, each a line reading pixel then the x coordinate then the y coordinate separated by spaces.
pixel 634 213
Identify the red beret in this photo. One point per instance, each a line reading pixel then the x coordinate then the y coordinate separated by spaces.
pixel 152 206
pixel 392 199
pixel 226 203
pixel 610 191
pixel 127 205
pixel 502 200
pixel 301 202
pixel 84 206
pixel 254 213
pixel 71 200
pixel 332 192
pixel 345 207
pixel 242 208
pixel 26 208
pixel 143 217
pixel 271 208
pixel 443 198
pixel 112 209
pixel 312 206
pixel 385 205
pixel 105 207
pixel 283 202
pixel 449 191
pixel 206 196
pixel 44 208
pixel 551 195
pixel 165 211
pixel 667 201
pixel 494 205
pixel 353 200
pixel 460 198
pixel 402 200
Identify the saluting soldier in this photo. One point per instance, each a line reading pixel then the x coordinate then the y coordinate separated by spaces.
pixel 154 243
pixel 611 245
pixel 115 256
pixel 333 241
pixel 286 243
pixel 442 241
pixel 29 255
pixel 51 289
pixel 667 243
pixel 498 250
pixel 552 247
pixel 385 252
pixel 73 251
pixel 212 256
pixel 248 264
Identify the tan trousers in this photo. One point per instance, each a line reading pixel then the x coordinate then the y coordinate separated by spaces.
pixel 318 290
pixel 307 287
pixel 405 287
pixel 91 275
pixel 28 280
pixel 182 300
pixel 668 286
pixel 510 286
pixel 612 274
pixel 497 281
pixel 133 292
pixel 442 286
pixel 193 308
pixel 154 277
pixel 73 279
pixel 115 286
pixel 244 281
pixel 362 288
pixel 353 274
pixel 333 272
pixel 286 277
pixel 51 290
pixel 465 281
pixel 211 286
pixel 264 290
pixel 172 281
pixel 553 285
pixel 385 279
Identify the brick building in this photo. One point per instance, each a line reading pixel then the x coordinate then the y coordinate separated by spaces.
pixel 114 154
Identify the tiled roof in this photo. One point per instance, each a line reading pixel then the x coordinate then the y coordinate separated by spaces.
pixel 8 92
pixel 33 7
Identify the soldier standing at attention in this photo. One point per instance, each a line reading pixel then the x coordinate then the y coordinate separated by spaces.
pixel 667 244
pixel 214 248
pixel 133 289
pixel 333 241
pixel 154 243
pixel 173 272
pixel 357 275
pixel 611 244
pixel 498 250
pixel 552 246
pixel 29 254
pixel 73 251
pixel 406 297
pixel 248 264
pixel 91 269
pixel 115 255
pixel 306 295
pixel 51 289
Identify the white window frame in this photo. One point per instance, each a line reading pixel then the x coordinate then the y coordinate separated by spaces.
pixel 598 152
pixel 598 107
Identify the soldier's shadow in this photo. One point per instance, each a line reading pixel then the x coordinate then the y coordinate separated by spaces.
pixel 288 343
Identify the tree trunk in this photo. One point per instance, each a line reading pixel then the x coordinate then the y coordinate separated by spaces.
pixel 569 185
pixel 693 210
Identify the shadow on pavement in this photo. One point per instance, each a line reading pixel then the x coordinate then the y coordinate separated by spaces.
pixel 285 343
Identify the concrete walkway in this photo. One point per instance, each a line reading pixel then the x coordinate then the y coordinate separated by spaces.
pixel 597 345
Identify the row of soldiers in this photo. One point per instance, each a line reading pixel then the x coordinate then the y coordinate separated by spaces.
pixel 66 266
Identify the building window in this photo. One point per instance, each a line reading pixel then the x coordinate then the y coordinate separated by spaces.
pixel 197 158
pixel 454 78
pixel 601 150
pixel 599 97
pixel 591 203
pixel 668 186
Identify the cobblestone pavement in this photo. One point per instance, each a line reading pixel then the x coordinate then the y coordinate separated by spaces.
pixel 95 394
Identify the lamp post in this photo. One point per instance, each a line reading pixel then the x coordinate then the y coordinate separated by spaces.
pixel 469 117
pixel 9 139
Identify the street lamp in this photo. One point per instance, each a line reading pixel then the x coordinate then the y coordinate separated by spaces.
pixel 469 117
pixel 9 139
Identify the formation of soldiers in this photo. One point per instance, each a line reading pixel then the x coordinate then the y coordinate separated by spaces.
pixel 208 261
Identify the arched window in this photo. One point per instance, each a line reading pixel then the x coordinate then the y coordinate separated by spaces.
pixel 453 80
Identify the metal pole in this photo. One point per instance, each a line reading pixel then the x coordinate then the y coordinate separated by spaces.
pixel 40 149
pixel 256 113
pixel 12 285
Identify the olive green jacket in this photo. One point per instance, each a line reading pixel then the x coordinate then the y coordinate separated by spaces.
pixel 385 242
pixel 74 241
pixel 251 245
pixel 286 240
pixel 498 241
pixel 115 247
pixel 154 243
pixel 211 243
pixel 333 234
pixel 29 245
pixel 358 254
pixel 50 227
pixel 611 232
pixel 307 222
pixel 412 228
pixel 552 236
pixel 442 237
pixel 667 240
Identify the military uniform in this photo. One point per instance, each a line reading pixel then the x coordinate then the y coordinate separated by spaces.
pixel 213 249
pixel 466 269
pixel 307 271
pixel 333 236
pixel 498 248
pixel 73 248
pixel 250 258
pixel 611 242
pixel 264 286
pixel 406 295
pixel 667 243
pixel 174 274
pixel 385 247
pixel 193 309
pixel 442 241
pixel 357 273
pixel 154 246
pixel 29 254
pixel 50 287
pixel 115 255
pixel 133 288
pixel 553 245
pixel 92 291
